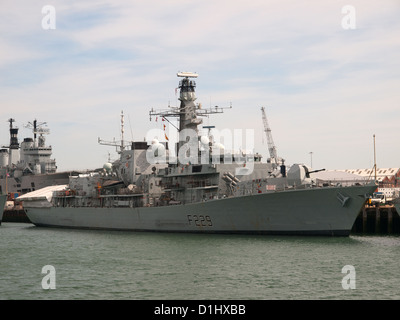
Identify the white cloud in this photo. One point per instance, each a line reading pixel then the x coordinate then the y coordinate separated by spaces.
pixel 325 88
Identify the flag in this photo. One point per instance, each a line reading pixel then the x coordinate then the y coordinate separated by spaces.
pixel 163 119
pixel 166 137
pixel 164 127
pixel 156 119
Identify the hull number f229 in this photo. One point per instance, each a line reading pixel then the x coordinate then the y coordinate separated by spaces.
pixel 199 220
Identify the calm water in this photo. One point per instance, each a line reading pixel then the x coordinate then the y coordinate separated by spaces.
pixel 129 265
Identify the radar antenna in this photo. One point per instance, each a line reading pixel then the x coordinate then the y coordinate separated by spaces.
pixel 187 87
pixel 37 128
pixel 115 143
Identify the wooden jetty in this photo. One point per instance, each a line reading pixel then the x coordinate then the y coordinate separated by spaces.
pixel 377 220
pixel 15 215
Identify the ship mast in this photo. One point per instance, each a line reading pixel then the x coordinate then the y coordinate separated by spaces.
pixel 37 128
pixel 122 132
pixel 188 112
pixel 13 135
pixel 14 145
pixel 114 143
pixel 375 160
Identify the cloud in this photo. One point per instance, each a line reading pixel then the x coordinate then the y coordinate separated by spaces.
pixel 325 88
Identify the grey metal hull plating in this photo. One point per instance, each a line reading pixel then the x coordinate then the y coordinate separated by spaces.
pixel 3 199
pixel 319 211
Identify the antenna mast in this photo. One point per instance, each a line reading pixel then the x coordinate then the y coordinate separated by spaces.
pixel 122 131
pixel 37 128
pixel 188 112
pixel 374 159
pixel 115 143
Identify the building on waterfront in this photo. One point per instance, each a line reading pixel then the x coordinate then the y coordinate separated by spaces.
pixel 388 179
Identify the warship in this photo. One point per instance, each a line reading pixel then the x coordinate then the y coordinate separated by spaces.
pixel 3 199
pixel 28 166
pixel 197 186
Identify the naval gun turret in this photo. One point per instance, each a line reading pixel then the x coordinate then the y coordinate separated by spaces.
pixel 300 175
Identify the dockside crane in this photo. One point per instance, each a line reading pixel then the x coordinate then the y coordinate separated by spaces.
pixel 274 159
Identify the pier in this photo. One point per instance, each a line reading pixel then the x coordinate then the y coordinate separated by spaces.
pixel 15 215
pixel 382 220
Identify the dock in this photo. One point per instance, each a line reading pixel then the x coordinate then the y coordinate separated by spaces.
pixel 15 215
pixel 382 220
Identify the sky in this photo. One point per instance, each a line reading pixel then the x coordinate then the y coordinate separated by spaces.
pixel 328 76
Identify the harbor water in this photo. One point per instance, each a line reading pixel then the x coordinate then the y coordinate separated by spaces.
pixel 89 264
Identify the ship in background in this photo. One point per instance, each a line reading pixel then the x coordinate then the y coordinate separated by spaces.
pixel 3 199
pixel 139 193
pixel 28 166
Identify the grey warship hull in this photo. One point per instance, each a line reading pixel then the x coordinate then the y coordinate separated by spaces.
pixel 3 199
pixel 319 211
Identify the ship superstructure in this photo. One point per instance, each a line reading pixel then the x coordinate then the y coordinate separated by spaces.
pixel 197 186
pixel 27 166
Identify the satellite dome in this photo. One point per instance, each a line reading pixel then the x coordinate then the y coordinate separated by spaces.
pixel 204 140
pixel 158 149
pixel 107 167
pixel 219 146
